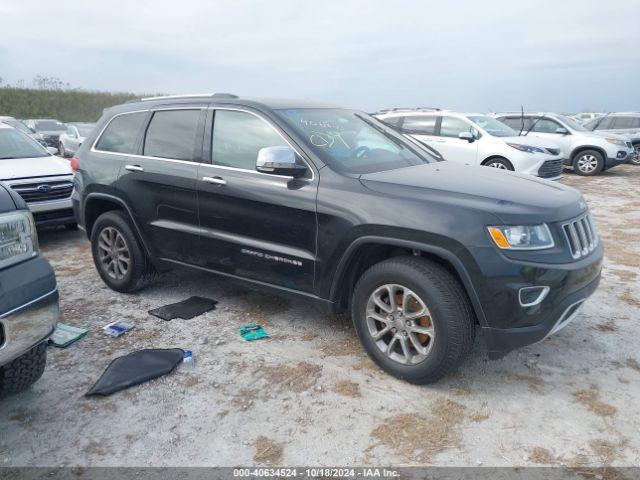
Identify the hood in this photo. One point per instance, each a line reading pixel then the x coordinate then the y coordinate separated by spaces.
pixel 531 141
pixel 33 167
pixel 510 196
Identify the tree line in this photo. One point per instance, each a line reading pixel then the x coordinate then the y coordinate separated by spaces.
pixel 49 97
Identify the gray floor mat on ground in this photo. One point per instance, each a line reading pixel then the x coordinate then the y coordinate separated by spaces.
pixel 189 308
pixel 136 368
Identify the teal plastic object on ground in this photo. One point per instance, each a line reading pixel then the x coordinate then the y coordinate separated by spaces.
pixel 252 332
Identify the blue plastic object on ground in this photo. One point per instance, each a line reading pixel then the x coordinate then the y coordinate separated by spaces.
pixel 252 332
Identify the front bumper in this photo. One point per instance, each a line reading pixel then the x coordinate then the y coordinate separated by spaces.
pixel 29 307
pixel 59 212
pixel 508 324
pixel 618 160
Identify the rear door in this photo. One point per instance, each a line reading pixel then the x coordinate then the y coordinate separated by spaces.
pixel 452 147
pixel 159 183
pixel 254 225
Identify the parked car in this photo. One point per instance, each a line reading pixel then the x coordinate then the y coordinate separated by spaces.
pixel 588 153
pixel 70 141
pixel 331 205
pixel 28 297
pixel 627 124
pixel 584 117
pixel 12 122
pixel 49 128
pixel 477 139
pixel 43 180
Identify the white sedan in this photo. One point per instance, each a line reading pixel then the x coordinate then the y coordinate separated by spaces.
pixel 71 140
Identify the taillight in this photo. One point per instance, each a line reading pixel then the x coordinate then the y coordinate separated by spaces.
pixel 75 163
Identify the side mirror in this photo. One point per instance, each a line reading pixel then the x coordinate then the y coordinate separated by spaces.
pixel 279 161
pixel 562 131
pixel 468 136
pixel 52 150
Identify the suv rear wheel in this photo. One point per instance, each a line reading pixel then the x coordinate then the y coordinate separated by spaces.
pixel 413 318
pixel 588 163
pixel 23 371
pixel 118 255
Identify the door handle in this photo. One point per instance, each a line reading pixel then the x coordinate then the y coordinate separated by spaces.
pixel 134 168
pixel 214 180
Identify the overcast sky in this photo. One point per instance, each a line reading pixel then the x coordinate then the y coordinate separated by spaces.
pixel 565 55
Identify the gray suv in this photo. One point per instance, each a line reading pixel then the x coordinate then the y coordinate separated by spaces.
pixel 625 123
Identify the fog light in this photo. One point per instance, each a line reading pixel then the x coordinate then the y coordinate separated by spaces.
pixel 532 296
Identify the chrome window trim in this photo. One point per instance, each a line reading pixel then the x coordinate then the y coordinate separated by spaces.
pixel 191 162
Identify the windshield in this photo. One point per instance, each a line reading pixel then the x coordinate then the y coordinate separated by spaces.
pixel 50 126
pixel 571 123
pixel 492 126
pixel 352 142
pixel 19 125
pixel 84 129
pixel 14 144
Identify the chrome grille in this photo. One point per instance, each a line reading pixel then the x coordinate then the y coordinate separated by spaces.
pixel 551 169
pixel 582 236
pixel 44 191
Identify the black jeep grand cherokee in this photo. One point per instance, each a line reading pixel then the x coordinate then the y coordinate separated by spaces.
pixel 331 205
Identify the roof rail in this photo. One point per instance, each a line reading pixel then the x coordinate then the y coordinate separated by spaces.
pixel 409 109
pixel 189 95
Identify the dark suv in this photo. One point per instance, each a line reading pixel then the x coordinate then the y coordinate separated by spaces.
pixel 330 205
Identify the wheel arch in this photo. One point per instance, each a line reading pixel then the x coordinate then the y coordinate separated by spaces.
pixel 98 203
pixel 576 151
pixel 369 250
pixel 494 157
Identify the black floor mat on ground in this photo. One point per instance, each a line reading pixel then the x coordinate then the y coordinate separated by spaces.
pixel 189 308
pixel 136 368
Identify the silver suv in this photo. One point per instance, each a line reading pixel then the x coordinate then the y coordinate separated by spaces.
pixel 589 153
pixel 623 123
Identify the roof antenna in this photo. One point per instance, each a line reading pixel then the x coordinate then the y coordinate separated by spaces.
pixel 522 120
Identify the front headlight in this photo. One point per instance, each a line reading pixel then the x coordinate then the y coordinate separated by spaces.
pixel 615 141
pixel 18 237
pixel 522 237
pixel 525 148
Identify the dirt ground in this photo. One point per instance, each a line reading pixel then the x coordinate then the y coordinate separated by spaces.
pixel 309 395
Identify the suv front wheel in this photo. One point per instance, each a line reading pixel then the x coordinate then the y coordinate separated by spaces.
pixel 413 318
pixel 118 255
pixel 588 163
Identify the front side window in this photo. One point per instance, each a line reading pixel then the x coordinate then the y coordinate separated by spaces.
pixel 420 125
pixel 121 135
pixel 172 134
pixel 352 142
pixel 14 144
pixel 492 126
pixel 238 137
pixel 516 123
pixel 571 123
pixel 452 127
pixel 544 125
pixel 604 123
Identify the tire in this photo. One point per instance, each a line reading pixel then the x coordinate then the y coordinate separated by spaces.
pixel 24 371
pixel 61 151
pixel 114 228
pixel 588 163
pixel 499 163
pixel 635 160
pixel 450 319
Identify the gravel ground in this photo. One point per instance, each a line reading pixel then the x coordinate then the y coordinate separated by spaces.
pixel 309 395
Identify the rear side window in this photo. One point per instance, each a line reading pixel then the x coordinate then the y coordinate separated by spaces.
pixel 452 127
pixel 172 134
pixel 425 125
pixel 626 122
pixel 239 136
pixel 122 133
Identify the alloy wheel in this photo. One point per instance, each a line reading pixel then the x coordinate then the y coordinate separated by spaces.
pixel 400 324
pixel 499 165
pixel 113 253
pixel 587 163
pixel 636 155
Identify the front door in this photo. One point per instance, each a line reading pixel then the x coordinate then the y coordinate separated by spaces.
pixel 254 225
pixel 161 182
pixel 453 148
pixel 545 128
